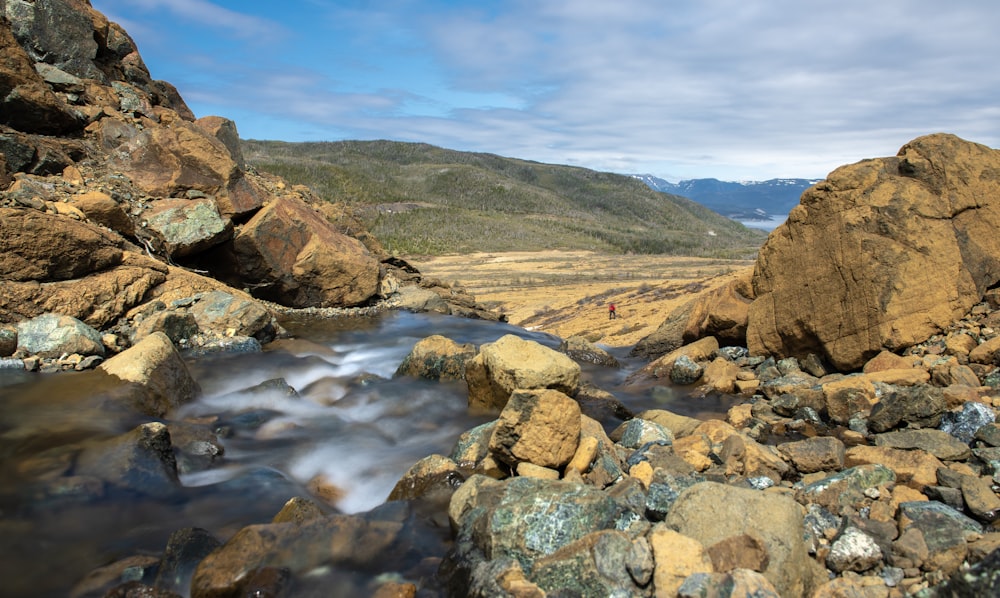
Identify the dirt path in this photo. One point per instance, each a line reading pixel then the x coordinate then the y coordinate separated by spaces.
pixel 567 292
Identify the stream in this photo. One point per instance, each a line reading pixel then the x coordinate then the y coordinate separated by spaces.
pixel 349 423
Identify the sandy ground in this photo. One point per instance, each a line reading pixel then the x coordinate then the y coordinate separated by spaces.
pixel 567 293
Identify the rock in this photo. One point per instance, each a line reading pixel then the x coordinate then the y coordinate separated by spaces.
pixel 677 556
pixel 28 104
pixel 291 255
pixel 964 424
pixel 846 490
pixel 185 227
pixel 52 335
pixel 823 453
pixel 158 368
pixel 679 425
pixel 177 325
pixel 849 397
pixel 599 564
pixel 737 583
pixel 524 519
pixel 941 444
pixel 918 406
pixel 720 313
pixel 720 375
pixel 437 358
pixel 638 432
pixel 99 207
pixel 434 474
pixel 865 240
pixel 348 541
pixel 229 314
pixel 142 461
pixel 8 340
pixel 853 550
pixel 710 512
pixel 988 352
pixel 944 531
pixel 538 426
pixel 298 511
pixel 980 499
pixel 580 349
pixel 982 579
pixel 106 580
pixel 185 549
pixel 35 246
pixel 511 363
pixel 473 445
pixel 684 371
pixel 421 300
pixel 225 131
pixel 917 469
pixel 701 350
pixel 744 551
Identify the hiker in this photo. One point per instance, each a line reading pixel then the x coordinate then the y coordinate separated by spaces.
pixel 611 311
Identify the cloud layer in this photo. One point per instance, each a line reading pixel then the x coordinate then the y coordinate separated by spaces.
pixel 677 88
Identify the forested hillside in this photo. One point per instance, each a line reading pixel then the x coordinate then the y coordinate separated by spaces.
pixel 421 199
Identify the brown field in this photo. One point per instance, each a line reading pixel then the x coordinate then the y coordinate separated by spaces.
pixel 567 293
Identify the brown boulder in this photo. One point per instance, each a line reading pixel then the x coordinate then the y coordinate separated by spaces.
pixel 511 363
pixel 537 426
pixel 289 254
pixel 99 207
pixel 43 247
pixel 882 254
pixel 155 365
pixel 172 158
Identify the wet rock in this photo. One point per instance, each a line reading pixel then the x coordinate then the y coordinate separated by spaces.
pixel 434 474
pixel 100 582
pixel 299 510
pixel 437 358
pixel 177 325
pixel 52 335
pixel 677 557
pixel 538 426
pixel 142 461
pixel 472 446
pixel 156 366
pixel 231 315
pixel 512 363
pixel 599 564
pixel 230 345
pixel 853 550
pixel 8 340
pixel 580 349
pixel 939 443
pixel 919 406
pixel 775 519
pixel 198 448
pixel 185 549
pixel 964 424
pixel 684 371
pixel 738 583
pixel 700 350
pixel 824 453
pixel 291 549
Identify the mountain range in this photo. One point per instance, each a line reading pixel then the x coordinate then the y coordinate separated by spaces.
pixel 744 200
pixel 420 199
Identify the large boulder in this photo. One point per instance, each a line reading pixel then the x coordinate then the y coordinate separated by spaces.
pixel 51 335
pixel 711 512
pixel 882 254
pixel 541 427
pixel 512 363
pixel 290 254
pixel 184 227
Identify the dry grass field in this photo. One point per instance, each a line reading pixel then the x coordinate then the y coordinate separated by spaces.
pixel 567 293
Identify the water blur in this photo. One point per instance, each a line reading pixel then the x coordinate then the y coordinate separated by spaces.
pixel 340 429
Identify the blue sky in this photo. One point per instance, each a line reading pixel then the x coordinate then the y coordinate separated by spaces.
pixel 731 89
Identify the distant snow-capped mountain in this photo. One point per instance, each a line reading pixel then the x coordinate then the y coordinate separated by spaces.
pixel 743 200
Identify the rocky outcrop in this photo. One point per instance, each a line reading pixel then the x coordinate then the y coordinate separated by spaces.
pixel 881 255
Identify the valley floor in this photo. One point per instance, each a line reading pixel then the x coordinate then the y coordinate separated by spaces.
pixel 567 293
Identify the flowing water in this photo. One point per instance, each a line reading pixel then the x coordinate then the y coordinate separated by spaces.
pixel 350 424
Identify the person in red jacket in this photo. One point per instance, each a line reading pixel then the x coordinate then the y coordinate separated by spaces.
pixel 611 311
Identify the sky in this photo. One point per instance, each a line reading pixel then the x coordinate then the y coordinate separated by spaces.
pixel 681 89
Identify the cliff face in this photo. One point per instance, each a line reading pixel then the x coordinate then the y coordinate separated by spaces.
pixel 107 181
